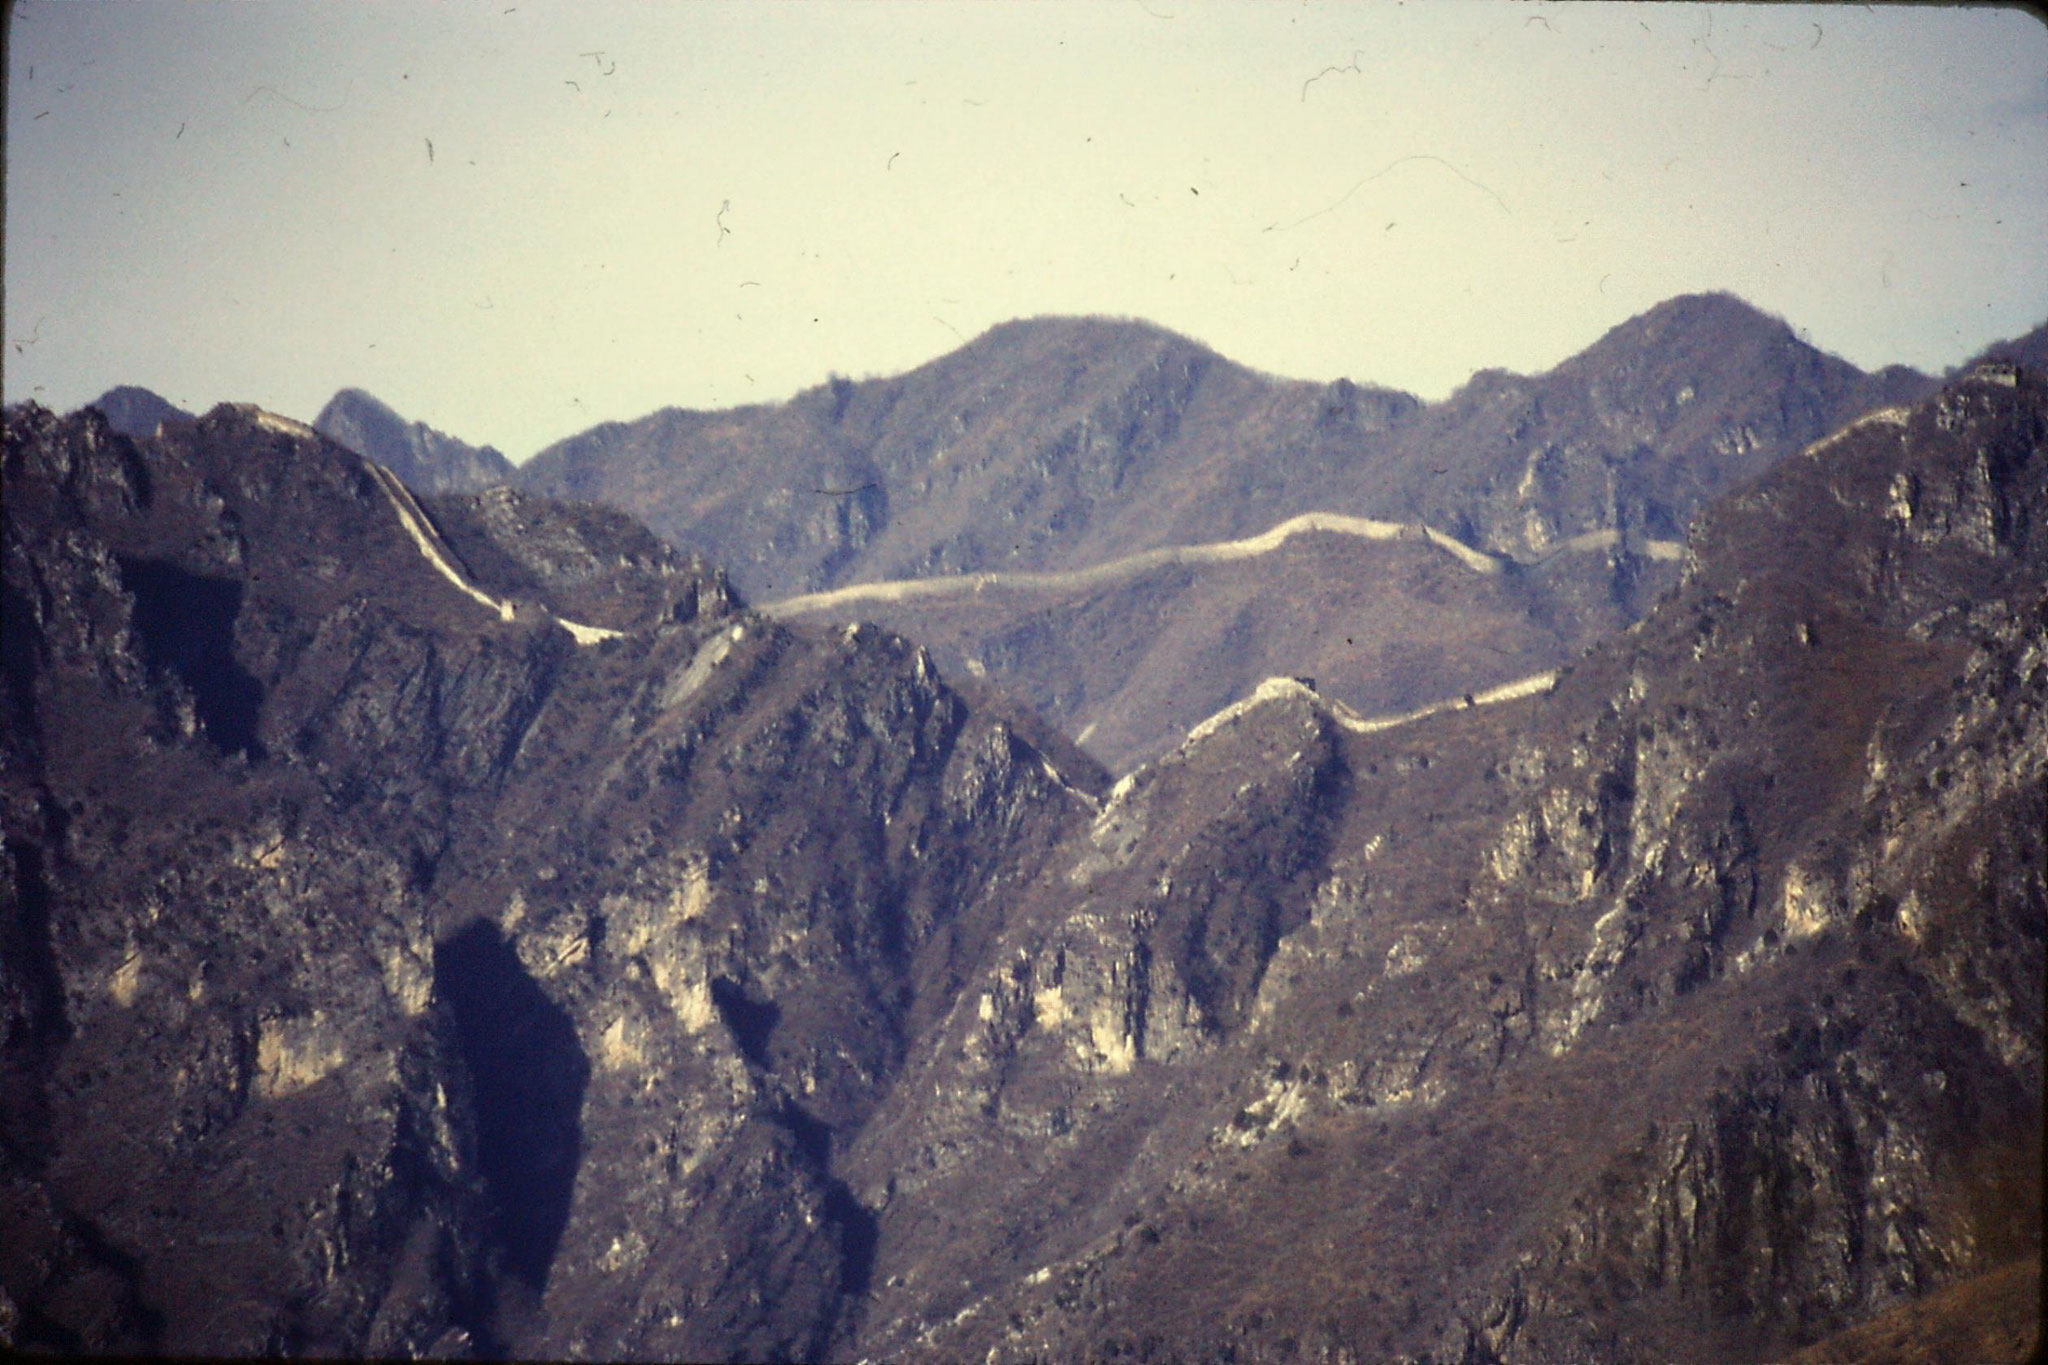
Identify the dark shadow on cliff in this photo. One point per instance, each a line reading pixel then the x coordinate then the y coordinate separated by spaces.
pixel 858 1228
pixel 187 625
pixel 39 1026
pixel 752 1021
pixel 527 1074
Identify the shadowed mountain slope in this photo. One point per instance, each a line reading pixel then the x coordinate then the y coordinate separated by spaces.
pixel 388 953
pixel 428 461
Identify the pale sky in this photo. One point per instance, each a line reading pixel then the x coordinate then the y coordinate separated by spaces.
pixel 514 220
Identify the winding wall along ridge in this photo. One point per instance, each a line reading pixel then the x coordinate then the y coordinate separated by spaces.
pixel 435 550
pixel 1275 688
pixel 1213 552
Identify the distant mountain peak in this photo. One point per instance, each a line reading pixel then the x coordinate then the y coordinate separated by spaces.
pixel 1719 304
pixel 1028 345
pixel 427 460
pixel 1703 323
pixel 137 412
pixel 1715 320
pixel 360 400
pixel 1100 328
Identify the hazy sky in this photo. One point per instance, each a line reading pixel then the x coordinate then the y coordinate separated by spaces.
pixel 516 219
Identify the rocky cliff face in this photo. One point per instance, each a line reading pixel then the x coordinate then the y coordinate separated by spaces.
pixel 426 460
pixel 464 928
pixel 390 967
pixel 1636 433
pixel 1609 1023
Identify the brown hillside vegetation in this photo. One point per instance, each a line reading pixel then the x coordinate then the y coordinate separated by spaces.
pixel 464 928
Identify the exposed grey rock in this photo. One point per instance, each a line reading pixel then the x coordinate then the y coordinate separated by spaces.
pixel 464 928
pixel 362 918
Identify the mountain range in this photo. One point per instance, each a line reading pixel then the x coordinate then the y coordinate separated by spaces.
pixel 459 925
pixel 1061 443
pixel 1095 513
